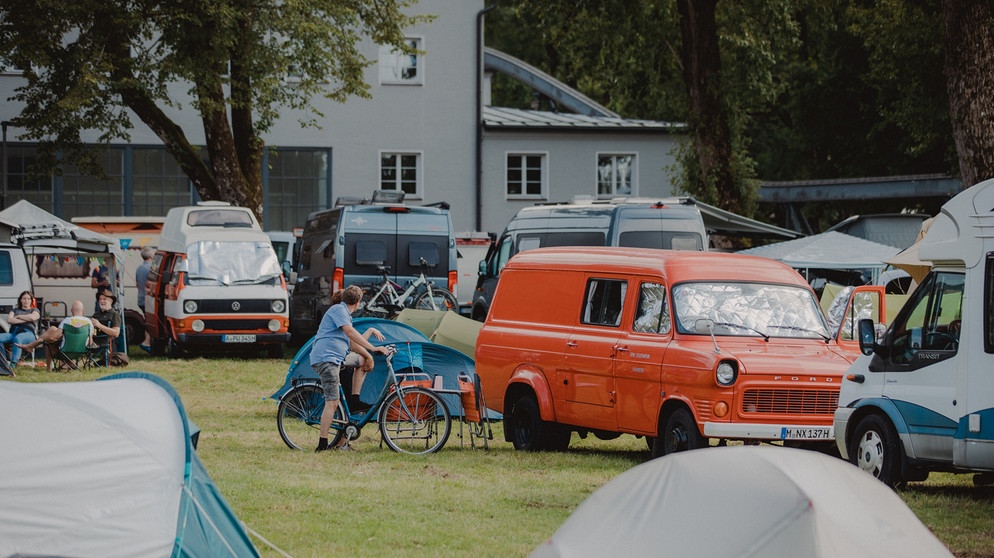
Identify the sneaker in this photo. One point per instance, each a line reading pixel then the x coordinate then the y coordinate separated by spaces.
pixel 358 406
pixel 146 348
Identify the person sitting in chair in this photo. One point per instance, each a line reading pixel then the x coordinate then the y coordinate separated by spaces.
pixel 22 319
pixel 52 337
pixel 106 321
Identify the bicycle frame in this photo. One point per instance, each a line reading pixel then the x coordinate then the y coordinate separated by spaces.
pixel 387 295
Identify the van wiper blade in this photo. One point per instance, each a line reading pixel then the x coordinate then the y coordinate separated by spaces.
pixel 740 326
pixel 799 328
pixel 202 278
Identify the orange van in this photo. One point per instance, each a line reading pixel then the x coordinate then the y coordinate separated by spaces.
pixel 678 347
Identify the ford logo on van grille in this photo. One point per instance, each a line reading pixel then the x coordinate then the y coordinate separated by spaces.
pixel 236 306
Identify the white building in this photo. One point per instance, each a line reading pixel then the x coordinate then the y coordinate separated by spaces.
pixel 427 130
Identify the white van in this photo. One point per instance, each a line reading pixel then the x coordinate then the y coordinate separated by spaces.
pixel 921 398
pixel 215 284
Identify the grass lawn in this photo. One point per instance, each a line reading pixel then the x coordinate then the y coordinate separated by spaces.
pixel 458 502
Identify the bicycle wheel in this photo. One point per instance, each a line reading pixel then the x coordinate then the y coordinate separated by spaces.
pixel 415 420
pixel 298 418
pixel 437 299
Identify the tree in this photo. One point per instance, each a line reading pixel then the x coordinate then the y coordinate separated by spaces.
pixel 88 62
pixel 968 36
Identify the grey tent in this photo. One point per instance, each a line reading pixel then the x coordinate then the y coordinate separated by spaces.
pixel 828 250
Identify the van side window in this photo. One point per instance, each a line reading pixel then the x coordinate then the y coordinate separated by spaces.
pixel 604 301
pixel 989 305
pixel 930 322
pixel 504 252
pixel 370 252
pixel 6 269
pixel 653 314
pixel 153 274
pixel 418 250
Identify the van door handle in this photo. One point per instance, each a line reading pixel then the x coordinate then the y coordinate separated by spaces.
pixel 571 343
pixel 618 349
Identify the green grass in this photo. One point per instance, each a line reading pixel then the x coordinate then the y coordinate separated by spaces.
pixel 457 502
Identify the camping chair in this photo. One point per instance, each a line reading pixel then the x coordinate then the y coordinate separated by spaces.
pixel 75 354
pixel 474 407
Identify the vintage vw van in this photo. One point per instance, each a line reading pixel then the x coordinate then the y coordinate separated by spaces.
pixel 679 347
pixel 215 284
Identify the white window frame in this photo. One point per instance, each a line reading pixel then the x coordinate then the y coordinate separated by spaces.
pixel 9 69
pixel 390 60
pixel 614 155
pixel 419 185
pixel 544 186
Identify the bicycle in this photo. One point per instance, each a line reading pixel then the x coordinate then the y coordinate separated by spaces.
pixel 411 419
pixel 385 300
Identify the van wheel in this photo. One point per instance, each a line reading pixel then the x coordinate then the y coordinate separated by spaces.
pixel 876 449
pixel 158 347
pixel 529 432
pixel 680 434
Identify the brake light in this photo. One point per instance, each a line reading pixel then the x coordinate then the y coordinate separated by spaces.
pixel 397 209
pixel 454 283
pixel 337 279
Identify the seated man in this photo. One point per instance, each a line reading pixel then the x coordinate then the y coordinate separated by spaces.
pixel 53 335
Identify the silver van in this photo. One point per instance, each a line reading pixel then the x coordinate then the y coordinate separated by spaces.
pixel 667 223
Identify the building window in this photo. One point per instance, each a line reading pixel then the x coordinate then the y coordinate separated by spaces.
pixel 616 175
pixel 526 175
pixel 402 172
pixel 402 68
pixel 158 182
pixel 21 185
pixel 298 185
pixel 84 195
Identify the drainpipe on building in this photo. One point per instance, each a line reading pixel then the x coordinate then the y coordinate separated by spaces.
pixel 479 114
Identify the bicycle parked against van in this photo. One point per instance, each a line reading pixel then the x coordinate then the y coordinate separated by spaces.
pixel 411 419
pixel 386 300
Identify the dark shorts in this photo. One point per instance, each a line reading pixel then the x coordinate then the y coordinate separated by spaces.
pixel 329 374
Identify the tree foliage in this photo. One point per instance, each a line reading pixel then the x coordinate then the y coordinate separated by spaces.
pixel 88 62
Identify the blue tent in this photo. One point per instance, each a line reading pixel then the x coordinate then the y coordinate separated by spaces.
pixel 107 468
pixel 415 355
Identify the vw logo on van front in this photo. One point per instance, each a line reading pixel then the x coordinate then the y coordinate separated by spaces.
pixel 236 306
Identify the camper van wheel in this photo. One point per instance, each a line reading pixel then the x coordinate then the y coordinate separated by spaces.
pixel 529 432
pixel 680 434
pixel 876 449
pixel 158 347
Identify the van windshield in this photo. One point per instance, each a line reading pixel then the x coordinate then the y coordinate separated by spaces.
pixel 232 263
pixel 748 309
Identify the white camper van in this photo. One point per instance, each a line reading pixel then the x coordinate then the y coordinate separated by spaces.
pixel 921 398
pixel 215 284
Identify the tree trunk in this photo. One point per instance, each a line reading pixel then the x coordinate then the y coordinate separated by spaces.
pixel 708 118
pixel 969 46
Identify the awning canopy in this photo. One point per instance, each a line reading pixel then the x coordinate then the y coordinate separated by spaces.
pixel 727 223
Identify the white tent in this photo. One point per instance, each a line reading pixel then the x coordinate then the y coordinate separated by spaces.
pixel 828 250
pixel 107 468
pixel 756 501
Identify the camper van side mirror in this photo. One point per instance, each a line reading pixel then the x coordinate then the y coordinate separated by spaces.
pixel 867 337
pixel 483 268
pixel 285 268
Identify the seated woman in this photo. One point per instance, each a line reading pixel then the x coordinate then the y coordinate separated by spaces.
pixel 23 319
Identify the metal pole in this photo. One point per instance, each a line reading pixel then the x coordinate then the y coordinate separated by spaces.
pixel 3 194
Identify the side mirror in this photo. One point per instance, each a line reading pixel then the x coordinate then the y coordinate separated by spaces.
pixel 285 268
pixel 183 266
pixel 867 337
pixel 483 268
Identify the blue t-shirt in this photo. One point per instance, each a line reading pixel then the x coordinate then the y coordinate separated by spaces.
pixel 331 344
pixel 141 275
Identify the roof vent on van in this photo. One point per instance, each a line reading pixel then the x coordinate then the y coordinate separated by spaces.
pixel 348 200
pixel 388 196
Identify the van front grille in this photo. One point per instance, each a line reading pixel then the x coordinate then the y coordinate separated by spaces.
pixel 790 402
pixel 227 306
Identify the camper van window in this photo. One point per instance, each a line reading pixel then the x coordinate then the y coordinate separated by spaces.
pixel 661 239
pixel 604 301
pixel 6 269
pixel 232 262
pixel 370 252
pixel 219 218
pixel 653 314
pixel 930 321
pixel 418 250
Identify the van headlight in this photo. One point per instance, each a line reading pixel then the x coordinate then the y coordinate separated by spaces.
pixel 274 325
pixel 190 306
pixel 197 325
pixel 726 373
pixel 278 306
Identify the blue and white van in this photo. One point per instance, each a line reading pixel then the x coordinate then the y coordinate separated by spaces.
pixel 921 398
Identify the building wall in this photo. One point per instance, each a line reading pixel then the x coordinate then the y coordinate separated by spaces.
pixel 572 159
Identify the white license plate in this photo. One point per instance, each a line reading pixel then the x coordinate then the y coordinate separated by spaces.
pixel 238 338
pixel 805 433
